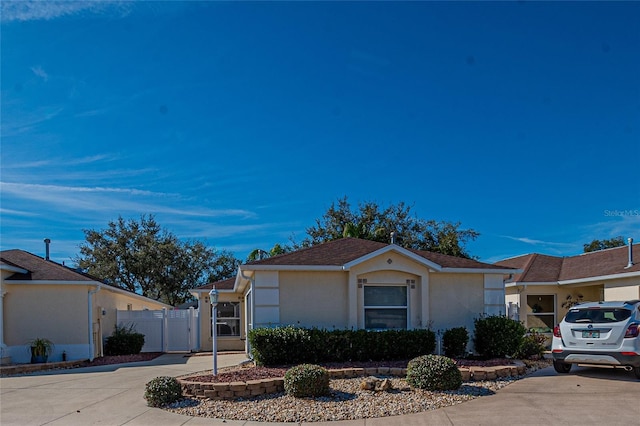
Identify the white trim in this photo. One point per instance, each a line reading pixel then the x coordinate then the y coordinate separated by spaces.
pixel 291 268
pixel 11 268
pixel 600 278
pixel 576 281
pixel 402 251
pixel 52 282
pixel 481 271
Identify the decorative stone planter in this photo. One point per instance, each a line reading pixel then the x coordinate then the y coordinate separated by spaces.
pixel 235 390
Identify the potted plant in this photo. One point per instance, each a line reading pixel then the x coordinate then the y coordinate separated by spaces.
pixel 41 348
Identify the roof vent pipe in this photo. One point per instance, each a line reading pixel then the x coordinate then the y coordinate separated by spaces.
pixel 47 241
pixel 393 238
pixel 630 264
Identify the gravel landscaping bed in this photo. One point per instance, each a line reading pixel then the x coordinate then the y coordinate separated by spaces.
pixel 346 401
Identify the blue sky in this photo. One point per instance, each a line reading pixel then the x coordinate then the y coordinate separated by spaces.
pixel 238 124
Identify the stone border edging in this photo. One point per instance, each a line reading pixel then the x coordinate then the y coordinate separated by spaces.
pixel 234 390
pixel 7 370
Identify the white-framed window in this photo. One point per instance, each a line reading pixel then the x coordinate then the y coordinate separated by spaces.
pixel 228 319
pixel 541 312
pixel 386 307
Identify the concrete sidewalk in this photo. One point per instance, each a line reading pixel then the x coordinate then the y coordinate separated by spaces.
pixel 113 395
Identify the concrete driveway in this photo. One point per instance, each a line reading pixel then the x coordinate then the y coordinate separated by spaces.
pixel 113 395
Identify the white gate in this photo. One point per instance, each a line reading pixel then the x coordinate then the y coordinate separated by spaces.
pixel 164 330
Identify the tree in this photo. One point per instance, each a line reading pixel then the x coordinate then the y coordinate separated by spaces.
pixel 596 245
pixel 144 258
pixel 259 254
pixel 370 221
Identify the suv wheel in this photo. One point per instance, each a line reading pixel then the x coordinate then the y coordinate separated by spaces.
pixel 636 371
pixel 563 367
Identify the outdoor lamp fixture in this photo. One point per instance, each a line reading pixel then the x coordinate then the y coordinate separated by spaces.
pixel 213 298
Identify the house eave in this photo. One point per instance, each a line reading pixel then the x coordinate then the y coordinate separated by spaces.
pixel 481 271
pixel 11 268
pixel 600 278
pixel 292 268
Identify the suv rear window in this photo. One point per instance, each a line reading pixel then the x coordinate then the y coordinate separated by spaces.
pixel 600 315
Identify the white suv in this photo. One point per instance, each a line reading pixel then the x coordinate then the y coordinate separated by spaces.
pixel 599 333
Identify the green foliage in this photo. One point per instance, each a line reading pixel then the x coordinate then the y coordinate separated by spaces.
pixel 294 345
pixel 306 380
pixel 259 254
pixel 596 245
pixel 454 342
pixel 41 347
pixel 142 257
pixel 124 341
pixel 532 346
pixel 279 345
pixel 433 372
pixel 162 390
pixel 372 222
pixel 497 336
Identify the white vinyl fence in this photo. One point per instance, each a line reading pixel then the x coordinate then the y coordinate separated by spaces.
pixel 164 330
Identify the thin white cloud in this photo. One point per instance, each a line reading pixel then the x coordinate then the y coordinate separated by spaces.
pixel 37 10
pixel 26 122
pixel 534 242
pixel 12 212
pixel 40 72
pixel 106 199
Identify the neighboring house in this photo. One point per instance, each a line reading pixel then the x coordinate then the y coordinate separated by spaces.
pixel 548 282
pixel 43 299
pixel 353 283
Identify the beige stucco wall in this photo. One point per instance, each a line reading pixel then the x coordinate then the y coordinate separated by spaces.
pixel 56 312
pixel 623 289
pixel 314 299
pixel 225 343
pixel 455 300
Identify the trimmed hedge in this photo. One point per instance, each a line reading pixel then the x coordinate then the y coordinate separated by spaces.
pixel 454 342
pixel 498 336
pixel 124 341
pixel 295 345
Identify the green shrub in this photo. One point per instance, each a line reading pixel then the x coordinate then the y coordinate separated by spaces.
pixel 454 342
pixel 294 345
pixel 162 390
pixel 532 346
pixel 306 380
pixel 124 341
pixel 497 336
pixel 279 345
pixel 433 372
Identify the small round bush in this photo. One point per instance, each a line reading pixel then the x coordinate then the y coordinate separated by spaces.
pixel 433 372
pixel 454 342
pixel 306 380
pixel 162 390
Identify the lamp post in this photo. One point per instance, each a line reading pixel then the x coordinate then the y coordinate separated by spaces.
pixel 213 298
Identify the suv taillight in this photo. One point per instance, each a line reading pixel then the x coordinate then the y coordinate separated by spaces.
pixel 556 331
pixel 632 331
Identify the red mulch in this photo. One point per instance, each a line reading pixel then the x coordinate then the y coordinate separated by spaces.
pixel 244 374
pixel 120 359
